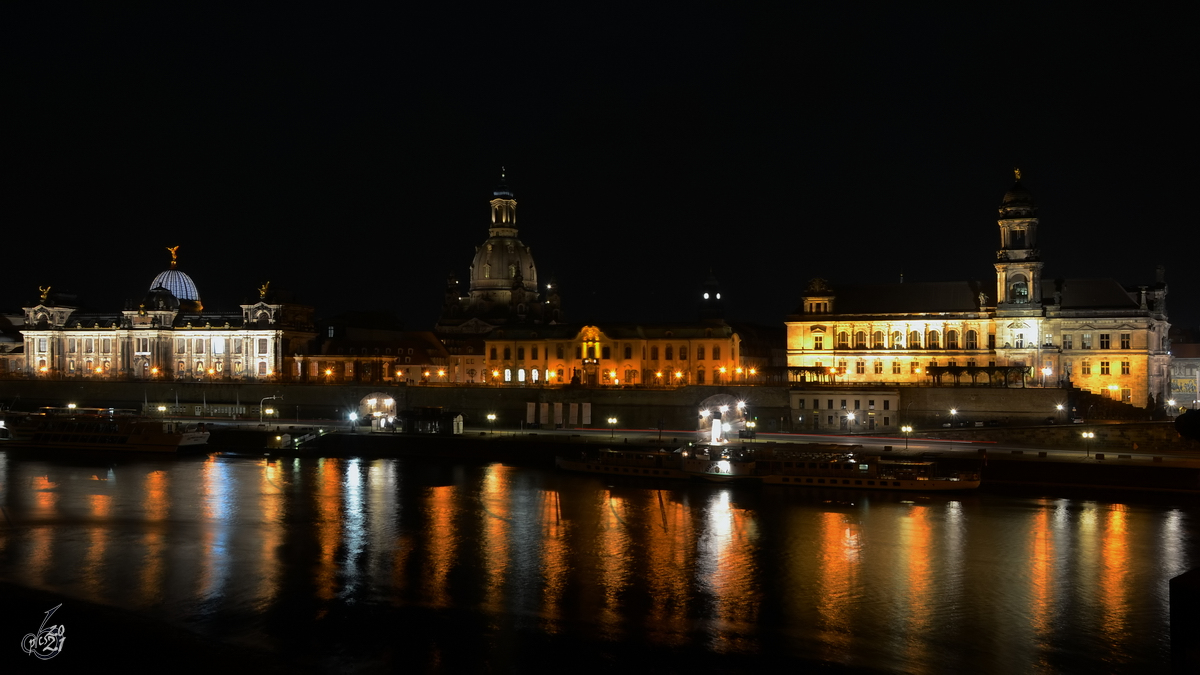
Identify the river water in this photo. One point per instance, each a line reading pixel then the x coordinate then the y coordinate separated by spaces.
pixel 370 564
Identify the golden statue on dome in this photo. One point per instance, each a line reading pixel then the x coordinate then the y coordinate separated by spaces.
pixel 45 292
pixel 174 255
pixel 262 291
pixel 1017 173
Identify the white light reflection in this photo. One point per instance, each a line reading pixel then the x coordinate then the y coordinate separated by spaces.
pixel 354 532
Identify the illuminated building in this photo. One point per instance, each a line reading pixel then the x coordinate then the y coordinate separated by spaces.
pixel 1023 330
pixel 166 337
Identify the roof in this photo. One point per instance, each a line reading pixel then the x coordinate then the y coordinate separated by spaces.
pixel 1087 294
pixel 908 298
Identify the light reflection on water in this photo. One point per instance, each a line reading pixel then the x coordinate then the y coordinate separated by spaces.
pixel 887 581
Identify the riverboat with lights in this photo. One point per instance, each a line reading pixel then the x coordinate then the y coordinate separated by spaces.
pixel 648 463
pixel 104 429
pixel 862 472
pixel 719 463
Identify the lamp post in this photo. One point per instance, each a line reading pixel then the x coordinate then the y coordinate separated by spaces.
pixel 907 432
pixel 260 407
pixel 953 415
pixel 612 424
pixel 492 420
pixel 1087 442
pixel 1045 374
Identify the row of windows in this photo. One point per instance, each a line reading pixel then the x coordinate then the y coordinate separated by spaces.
pixel 1085 367
pixel 217 344
pixel 896 340
pixel 887 404
pixel 606 352
pixel 1085 341
pixel 914 366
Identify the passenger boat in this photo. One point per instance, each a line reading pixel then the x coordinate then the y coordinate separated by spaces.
pixel 650 463
pixel 719 463
pixel 866 472
pixel 104 429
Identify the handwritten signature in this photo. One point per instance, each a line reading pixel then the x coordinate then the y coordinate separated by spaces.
pixel 48 642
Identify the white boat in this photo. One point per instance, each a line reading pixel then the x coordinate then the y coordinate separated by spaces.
pixel 104 429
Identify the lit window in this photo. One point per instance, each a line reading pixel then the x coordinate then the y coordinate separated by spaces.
pixel 1124 367
pixel 1104 368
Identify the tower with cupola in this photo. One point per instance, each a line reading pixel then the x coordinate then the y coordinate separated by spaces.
pixel 1018 261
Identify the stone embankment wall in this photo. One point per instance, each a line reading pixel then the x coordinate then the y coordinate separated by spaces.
pixel 1128 436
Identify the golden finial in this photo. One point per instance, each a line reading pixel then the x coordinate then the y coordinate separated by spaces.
pixel 1017 172
pixel 262 291
pixel 45 292
pixel 174 256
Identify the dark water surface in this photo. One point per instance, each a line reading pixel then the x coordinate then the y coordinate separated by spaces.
pixel 396 564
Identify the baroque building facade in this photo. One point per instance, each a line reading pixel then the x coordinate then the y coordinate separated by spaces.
pixel 167 336
pixel 1025 330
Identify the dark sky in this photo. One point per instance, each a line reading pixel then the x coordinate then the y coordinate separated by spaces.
pixel 348 155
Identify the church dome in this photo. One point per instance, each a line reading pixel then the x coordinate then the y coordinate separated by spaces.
pixel 498 263
pixel 179 284
pixel 1017 202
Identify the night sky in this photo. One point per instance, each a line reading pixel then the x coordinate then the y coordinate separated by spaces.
pixel 348 155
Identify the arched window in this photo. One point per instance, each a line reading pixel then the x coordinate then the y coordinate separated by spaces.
pixel 860 340
pixel 933 340
pixel 533 374
pixel 897 340
pixel 1018 289
pixel 654 353
pixel 877 340
pixel 487 271
pixel 972 339
pixel 507 353
pixel 843 340
pixel 670 352
pixel 508 375
pixel 683 353
pixel 951 339
pixel 914 340
pixel 520 375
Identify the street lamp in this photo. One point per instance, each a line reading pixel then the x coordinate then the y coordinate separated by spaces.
pixel 907 432
pixel 268 410
pixel 492 420
pixel 162 411
pixel 1087 441
pixel 953 415
pixel 612 423
pixel 1045 374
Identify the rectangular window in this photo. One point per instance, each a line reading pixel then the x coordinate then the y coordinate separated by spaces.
pixel 558 350
pixel 1068 342
pixel 887 421
pixel 1104 343
pixel 533 353
pixel 818 342
pixel 654 353
pixel 895 367
pixel 198 347
pixel 106 346
pixel 237 345
pixel 716 353
pixel 816 404
pixel 1085 341
pixel 493 353
pixel 1086 367
pixel 1125 341
pixel 830 403
pixel 843 404
pixel 914 368
pixel 180 346
pixel 88 346
pixel 860 367
pixel 71 346
pixel 1104 368
pixel 870 404
pixel 1124 367
pixel 670 353
pixel 879 367
pixel 218 345
pixel 857 405
pixel 887 404
pixel 683 353
pixel 42 344
pixel 699 353
pixel 700 377
pixel 520 353
pixel 262 346
pixel 991 342
pixel 628 353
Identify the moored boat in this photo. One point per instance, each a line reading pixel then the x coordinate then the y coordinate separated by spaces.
pixel 867 472
pixel 104 429
pixel 719 463
pixel 650 463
